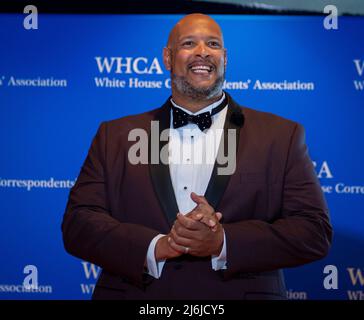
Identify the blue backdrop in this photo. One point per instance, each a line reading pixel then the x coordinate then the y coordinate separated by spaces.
pixel 59 82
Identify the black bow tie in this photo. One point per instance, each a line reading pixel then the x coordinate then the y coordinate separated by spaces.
pixel 202 120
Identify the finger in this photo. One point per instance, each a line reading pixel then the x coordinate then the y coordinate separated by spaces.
pixel 178 239
pixel 208 221
pixel 216 227
pixel 175 246
pixel 198 199
pixel 181 231
pixel 188 222
pixel 201 211
pixel 195 215
pixel 212 223
pixel 218 215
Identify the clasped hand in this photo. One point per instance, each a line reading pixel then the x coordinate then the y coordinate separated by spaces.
pixel 197 233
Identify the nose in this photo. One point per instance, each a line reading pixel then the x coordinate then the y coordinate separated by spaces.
pixel 202 50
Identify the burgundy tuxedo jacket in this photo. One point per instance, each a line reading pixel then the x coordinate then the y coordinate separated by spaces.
pixel 274 212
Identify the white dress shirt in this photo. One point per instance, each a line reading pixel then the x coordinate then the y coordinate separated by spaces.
pixel 192 155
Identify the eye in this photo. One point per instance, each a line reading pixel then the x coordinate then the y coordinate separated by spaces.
pixel 187 43
pixel 214 44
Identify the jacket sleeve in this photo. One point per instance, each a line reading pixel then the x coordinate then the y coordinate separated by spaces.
pixel 301 234
pixel 89 230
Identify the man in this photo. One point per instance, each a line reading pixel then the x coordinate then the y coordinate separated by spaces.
pixel 183 230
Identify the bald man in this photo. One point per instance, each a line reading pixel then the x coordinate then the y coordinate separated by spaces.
pixel 187 228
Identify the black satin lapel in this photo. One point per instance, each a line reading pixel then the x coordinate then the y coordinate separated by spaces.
pixel 159 172
pixel 218 183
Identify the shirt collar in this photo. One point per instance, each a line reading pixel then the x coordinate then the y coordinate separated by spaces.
pixel 206 109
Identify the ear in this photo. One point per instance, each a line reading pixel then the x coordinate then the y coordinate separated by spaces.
pixel 167 58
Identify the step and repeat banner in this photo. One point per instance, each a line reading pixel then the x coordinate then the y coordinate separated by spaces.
pixel 60 81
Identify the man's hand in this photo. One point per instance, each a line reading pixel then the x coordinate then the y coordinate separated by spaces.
pixel 199 232
pixel 164 251
pixel 204 212
pixel 205 218
pixel 195 238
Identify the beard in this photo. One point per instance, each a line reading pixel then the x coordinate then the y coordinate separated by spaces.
pixel 197 93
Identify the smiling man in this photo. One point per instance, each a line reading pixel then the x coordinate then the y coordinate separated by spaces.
pixel 181 230
pixel 196 57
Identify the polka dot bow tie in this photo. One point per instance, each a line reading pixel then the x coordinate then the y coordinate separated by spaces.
pixel 202 120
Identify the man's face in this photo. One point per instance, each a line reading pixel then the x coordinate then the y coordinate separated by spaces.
pixel 197 58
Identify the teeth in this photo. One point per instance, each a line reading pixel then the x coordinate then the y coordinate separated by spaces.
pixel 200 71
pixel 201 67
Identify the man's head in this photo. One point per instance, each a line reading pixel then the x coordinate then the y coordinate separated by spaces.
pixel 196 58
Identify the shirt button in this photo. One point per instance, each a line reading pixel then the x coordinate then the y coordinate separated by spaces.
pixel 185 188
